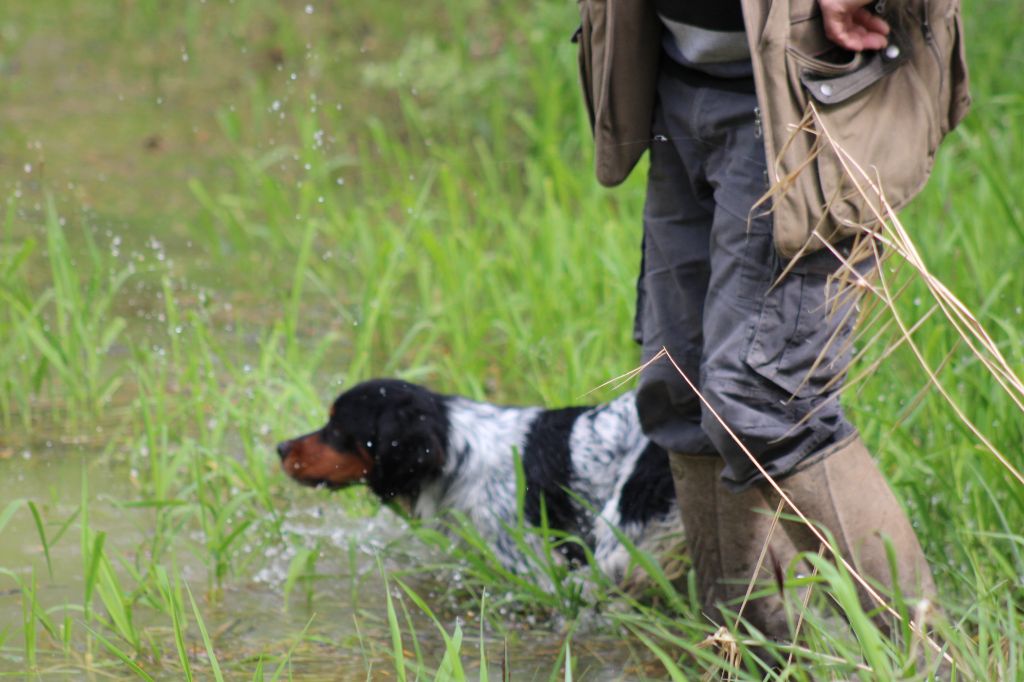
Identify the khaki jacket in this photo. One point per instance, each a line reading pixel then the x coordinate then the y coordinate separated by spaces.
pixel 887 110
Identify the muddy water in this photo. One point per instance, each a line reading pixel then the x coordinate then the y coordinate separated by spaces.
pixel 345 623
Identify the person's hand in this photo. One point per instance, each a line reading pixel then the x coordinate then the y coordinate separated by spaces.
pixel 850 25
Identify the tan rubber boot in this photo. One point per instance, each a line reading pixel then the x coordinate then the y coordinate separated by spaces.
pixel 846 493
pixel 725 533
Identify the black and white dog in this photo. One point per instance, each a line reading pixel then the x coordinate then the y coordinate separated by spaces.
pixel 429 453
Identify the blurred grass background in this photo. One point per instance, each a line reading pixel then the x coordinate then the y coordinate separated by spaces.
pixel 218 214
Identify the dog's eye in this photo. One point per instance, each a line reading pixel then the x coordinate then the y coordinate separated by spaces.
pixel 339 439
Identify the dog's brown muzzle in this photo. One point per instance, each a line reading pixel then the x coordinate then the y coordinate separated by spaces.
pixel 311 461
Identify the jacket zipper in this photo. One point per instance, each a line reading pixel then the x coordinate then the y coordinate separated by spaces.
pixel 758 134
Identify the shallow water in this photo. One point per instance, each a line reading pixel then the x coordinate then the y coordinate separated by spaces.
pixel 344 619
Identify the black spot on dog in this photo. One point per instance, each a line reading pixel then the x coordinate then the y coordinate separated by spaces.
pixel 547 466
pixel 648 492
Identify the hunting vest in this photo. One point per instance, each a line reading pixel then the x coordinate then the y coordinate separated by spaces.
pixel 847 135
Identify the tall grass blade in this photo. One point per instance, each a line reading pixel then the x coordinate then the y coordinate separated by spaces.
pixel 667 662
pixel 291 650
pixel 567 656
pixel 397 650
pixel 121 655
pixel 42 537
pixel 451 664
pixel 95 558
pixel 9 511
pixel 483 641
pixel 170 596
pixel 210 653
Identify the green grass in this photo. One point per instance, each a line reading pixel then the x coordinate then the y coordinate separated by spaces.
pixel 417 201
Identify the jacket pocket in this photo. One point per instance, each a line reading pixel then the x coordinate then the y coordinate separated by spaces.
pixel 847 74
pixel 811 49
pixel 900 147
pixel 884 111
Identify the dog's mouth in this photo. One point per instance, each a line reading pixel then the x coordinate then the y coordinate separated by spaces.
pixel 311 461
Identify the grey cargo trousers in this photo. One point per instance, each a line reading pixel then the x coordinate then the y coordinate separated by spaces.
pixel 764 352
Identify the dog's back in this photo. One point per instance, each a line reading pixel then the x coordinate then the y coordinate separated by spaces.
pixel 590 467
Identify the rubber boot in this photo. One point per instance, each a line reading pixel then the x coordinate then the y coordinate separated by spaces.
pixel 725 533
pixel 846 493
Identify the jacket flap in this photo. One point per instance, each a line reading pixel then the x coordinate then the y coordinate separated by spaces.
pixel 833 89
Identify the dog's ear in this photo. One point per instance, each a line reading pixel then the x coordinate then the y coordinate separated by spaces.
pixel 408 451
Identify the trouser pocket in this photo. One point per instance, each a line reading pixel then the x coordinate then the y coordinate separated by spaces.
pixel 802 339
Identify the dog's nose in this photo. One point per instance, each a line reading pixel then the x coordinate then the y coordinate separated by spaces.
pixel 283 447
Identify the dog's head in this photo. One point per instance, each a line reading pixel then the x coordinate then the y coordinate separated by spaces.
pixel 386 433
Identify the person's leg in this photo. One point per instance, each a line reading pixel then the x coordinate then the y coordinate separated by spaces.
pixel 674 274
pixel 725 532
pixel 775 348
pixel 844 492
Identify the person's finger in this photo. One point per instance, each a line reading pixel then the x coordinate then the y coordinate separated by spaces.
pixel 872 22
pixel 856 33
pixel 842 34
pixel 870 41
pixel 873 30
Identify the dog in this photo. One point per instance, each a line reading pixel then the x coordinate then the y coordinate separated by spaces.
pixel 590 469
